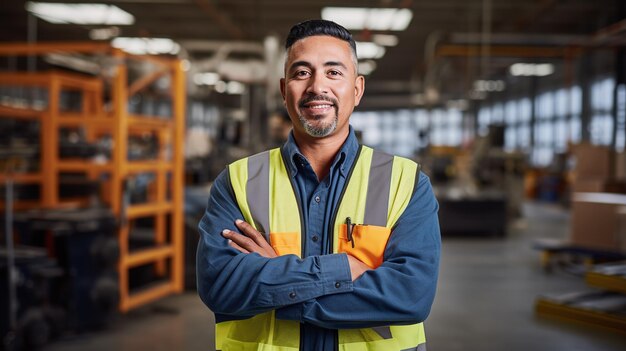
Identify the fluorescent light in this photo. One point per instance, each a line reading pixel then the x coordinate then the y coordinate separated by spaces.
pixel 489 85
pixel 545 69
pixel 206 78
pixel 220 86
pixel 143 46
pixel 385 39
pixel 369 18
pixel 460 104
pixel 532 69
pixel 235 88
pixel 351 18
pixel 367 50
pixel 367 67
pixel 86 14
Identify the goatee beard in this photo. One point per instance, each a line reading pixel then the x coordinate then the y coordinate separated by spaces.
pixel 319 131
pixel 323 130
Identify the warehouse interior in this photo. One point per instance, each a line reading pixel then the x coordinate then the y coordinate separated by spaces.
pixel 117 115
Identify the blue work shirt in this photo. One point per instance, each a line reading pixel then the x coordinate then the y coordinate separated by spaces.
pixel 317 290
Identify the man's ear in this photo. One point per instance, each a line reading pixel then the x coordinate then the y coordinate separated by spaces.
pixel 282 88
pixel 359 89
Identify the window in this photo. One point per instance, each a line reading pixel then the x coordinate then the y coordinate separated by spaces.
pixel 575 110
pixel 620 137
pixel 403 132
pixel 601 127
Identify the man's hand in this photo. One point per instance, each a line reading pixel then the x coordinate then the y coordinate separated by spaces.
pixel 250 241
pixel 356 267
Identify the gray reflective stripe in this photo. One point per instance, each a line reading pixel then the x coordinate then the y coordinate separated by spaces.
pixel 378 186
pixel 258 191
pixel 384 332
pixel 420 347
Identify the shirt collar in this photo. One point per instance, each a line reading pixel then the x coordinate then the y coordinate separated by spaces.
pixel 343 160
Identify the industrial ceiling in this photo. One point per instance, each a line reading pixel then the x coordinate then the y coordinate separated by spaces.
pixel 443 49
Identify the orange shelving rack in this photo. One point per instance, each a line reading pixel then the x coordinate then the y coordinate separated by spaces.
pixel 165 201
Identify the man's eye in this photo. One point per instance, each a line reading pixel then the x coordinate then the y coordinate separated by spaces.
pixel 334 73
pixel 302 74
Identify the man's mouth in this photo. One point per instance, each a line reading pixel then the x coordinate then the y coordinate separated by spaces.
pixel 317 105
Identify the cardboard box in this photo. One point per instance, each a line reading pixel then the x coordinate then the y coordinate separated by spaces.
pixel 592 162
pixel 595 222
pixel 599 186
pixel 620 166
pixel 621 230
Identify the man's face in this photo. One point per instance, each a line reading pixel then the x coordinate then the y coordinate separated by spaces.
pixel 321 86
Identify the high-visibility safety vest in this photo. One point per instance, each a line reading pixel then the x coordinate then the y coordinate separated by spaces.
pixel 378 190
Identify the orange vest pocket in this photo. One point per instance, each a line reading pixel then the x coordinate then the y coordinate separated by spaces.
pixel 369 243
pixel 286 243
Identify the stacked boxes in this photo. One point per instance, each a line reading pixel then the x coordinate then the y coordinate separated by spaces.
pixel 599 194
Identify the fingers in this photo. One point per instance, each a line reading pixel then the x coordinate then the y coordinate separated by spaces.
pixel 240 240
pixel 234 245
pixel 250 232
pixel 249 241
pixel 357 268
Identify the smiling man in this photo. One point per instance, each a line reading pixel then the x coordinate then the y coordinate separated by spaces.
pixel 322 244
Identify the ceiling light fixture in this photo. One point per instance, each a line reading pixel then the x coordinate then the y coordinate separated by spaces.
pixel 367 50
pixel 360 18
pixel 206 78
pixel 220 86
pixel 385 39
pixel 235 88
pixel 532 69
pixel 489 85
pixel 460 104
pixel 85 14
pixel 146 46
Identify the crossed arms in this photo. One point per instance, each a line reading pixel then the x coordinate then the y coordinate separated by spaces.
pixel 240 276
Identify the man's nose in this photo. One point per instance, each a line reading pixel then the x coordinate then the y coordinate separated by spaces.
pixel 317 84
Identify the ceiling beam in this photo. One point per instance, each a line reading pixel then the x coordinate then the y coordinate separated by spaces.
pixel 506 51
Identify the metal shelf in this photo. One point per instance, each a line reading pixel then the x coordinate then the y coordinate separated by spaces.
pixel 168 250
pixel 147 210
pixel 551 309
pixel 22 177
pixel 144 256
pixel 614 283
pixel 148 294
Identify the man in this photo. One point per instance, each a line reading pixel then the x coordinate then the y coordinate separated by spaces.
pixel 322 244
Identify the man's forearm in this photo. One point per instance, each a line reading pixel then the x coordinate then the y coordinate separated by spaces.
pixel 385 296
pixel 241 284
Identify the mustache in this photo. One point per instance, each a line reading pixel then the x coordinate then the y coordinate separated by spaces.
pixel 310 98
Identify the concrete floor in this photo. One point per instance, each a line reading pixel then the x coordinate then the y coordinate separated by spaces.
pixel 485 301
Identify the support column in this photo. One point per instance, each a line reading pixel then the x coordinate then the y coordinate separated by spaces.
pixel 585 87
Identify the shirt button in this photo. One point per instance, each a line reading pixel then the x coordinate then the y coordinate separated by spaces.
pixel 292 295
pixel 315 238
pixel 337 285
pixel 318 199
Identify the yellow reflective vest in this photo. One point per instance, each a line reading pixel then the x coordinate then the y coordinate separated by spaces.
pixel 377 192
